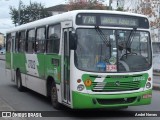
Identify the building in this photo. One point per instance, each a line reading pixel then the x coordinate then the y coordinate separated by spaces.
pixel 151 8
pixel 1 40
pixel 78 0
pixel 117 4
pixel 58 9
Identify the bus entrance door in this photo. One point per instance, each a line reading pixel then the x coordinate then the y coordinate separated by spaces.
pixel 12 48
pixel 65 71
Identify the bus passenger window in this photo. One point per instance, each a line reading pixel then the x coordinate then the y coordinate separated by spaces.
pixel 30 43
pixel 8 43
pixel 21 41
pixel 40 40
pixel 53 39
pixel 16 42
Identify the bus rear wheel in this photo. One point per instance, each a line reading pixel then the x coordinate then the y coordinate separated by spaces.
pixel 19 81
pixel 54 97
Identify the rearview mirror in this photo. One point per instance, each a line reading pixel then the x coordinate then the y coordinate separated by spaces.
pixel 73 41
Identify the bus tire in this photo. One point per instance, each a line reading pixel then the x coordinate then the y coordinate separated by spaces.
pixel 19 81
pixel 54 97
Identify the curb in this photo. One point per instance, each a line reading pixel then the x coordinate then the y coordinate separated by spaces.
pixel 156 73
pixel 156 87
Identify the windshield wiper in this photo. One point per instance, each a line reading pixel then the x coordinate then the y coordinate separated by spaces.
pixel 102 36
pixel 128 42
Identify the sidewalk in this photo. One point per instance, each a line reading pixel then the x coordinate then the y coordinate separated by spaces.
pixel 156 73
pixel 156 82
pixel 4 106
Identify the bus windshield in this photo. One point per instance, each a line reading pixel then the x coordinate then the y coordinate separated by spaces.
pixel 126 51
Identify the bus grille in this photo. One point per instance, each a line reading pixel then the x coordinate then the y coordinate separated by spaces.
pixel 115 87
pixel 116 101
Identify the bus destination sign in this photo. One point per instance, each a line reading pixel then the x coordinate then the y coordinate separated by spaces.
pixel 89 20
pixel 111 20
pixel 119 21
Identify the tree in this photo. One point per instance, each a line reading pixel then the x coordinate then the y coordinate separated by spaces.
pixel 86 4
pixel 120 9
pixel 150 9
pixel 14 15
pixel 28 13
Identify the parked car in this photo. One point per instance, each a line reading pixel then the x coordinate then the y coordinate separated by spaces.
pixel 3 51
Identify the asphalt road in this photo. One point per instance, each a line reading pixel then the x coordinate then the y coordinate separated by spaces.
pixel 156 79
pixel 31 101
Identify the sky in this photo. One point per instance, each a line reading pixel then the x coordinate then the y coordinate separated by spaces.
pixel 5 18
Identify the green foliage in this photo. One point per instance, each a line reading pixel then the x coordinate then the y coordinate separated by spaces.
pixel 90 4
pixel 14 15
pixel 120 9
pixel 28 13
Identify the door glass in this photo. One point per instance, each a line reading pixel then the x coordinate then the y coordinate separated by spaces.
pixel 65 64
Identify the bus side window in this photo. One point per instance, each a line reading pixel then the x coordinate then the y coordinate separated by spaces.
pixel 16 42
pixel 30 42
pixel 8 43
pixel 21 41
pixel 40 40
pixel 53 41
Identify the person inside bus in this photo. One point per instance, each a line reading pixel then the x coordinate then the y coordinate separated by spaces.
pixel 122 49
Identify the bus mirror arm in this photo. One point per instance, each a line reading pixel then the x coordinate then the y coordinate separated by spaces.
pixel 73 41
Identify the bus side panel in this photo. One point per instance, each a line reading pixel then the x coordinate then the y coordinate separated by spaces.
pixel 29 67
pixel 8 60
pixel 19 62
pixel 36 84
pixel 53 67
pixel 41 65
pixel 8 66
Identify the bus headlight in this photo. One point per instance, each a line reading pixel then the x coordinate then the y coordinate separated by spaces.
pixel 80 87
pixel 148 85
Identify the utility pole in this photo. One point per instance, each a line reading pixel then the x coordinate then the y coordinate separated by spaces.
pixel 19 12
pixel 110 2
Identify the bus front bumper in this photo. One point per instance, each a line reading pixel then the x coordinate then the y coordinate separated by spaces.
pixel 92 101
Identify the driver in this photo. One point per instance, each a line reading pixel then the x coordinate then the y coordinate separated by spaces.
pixel 123 49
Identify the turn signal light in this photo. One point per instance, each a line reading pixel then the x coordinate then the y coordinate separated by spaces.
pixel 149 79
pixel 88 83
pixel 79 80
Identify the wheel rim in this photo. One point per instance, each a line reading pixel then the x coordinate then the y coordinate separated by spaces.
pixel 18 82
pixel 54 95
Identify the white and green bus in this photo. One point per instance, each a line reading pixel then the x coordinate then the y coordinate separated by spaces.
pixel 84 59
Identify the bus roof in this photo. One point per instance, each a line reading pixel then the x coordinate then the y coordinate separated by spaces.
pixel 64 17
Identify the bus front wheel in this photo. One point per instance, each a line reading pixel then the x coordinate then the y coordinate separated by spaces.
pixel 54 97
pixel 19 81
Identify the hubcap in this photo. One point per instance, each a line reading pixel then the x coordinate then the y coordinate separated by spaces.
pixel 54 94
pixel 18 82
